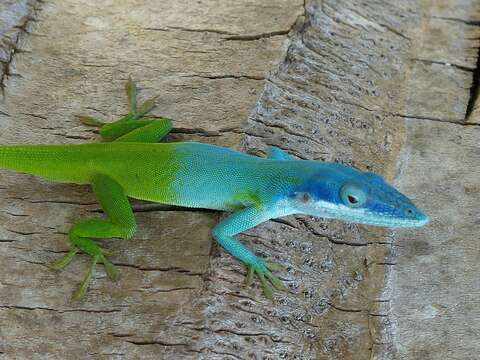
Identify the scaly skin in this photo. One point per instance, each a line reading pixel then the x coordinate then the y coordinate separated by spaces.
pixel 202 176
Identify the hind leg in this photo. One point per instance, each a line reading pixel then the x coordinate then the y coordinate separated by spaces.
pixel 134 121
pixel 119 224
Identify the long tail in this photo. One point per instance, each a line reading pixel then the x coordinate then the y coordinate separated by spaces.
pixel 65 163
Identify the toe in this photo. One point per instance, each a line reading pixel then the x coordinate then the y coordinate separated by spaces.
pixel 82 289
pixel 277 284
pixel 249 277
pixel 110 269
pixel 63 261
pixel 267 289
pixel 131 90
pixel 90 121
pixel 146 106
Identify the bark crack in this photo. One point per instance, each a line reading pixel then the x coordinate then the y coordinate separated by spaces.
pixel 420 117
pixel 344 309
pixel 467 22
pixel 456 66
pixel 214 31
pixel 19 232
pixel 475 89
pixel 450 121
pixel 329 238
pixel 260 36
pixel 32 308
pixel 14 43
pixel 154 342
pixel 161 269
pixel 226 76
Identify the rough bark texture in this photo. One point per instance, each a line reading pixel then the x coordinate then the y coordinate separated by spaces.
pixel 434 284
pixel 341 87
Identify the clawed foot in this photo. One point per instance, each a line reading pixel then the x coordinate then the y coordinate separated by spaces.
pixel 263 269
pixel 134 112
pixel 98 256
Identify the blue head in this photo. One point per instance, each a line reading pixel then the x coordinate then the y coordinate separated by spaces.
pixel 341 192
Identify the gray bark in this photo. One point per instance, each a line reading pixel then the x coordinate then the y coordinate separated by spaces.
pixel 383 86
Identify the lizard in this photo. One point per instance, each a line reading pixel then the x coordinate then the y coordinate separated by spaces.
pixel 131 163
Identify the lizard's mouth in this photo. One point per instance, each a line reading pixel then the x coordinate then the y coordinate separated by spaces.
pixel 414 219
pixel 411 217
pixel 396 222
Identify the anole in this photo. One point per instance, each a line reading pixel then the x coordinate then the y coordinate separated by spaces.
pixel 130 163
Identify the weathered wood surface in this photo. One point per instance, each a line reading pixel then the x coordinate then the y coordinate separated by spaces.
pixel 434 284
pixel 339 88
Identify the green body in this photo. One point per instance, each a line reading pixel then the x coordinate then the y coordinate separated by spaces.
pixel 186 174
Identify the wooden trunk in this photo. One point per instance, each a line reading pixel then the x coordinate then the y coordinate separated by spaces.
pixel 388 86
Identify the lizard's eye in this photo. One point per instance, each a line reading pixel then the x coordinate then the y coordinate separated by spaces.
pixel 352 199
pixel 352 195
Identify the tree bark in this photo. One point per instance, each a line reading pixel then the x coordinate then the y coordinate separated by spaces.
pixel 363 83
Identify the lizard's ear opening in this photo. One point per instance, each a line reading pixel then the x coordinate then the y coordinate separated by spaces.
pixel 303 197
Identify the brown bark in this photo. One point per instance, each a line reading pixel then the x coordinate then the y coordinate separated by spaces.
pixel 341 86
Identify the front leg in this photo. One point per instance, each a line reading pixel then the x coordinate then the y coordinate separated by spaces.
pixel 239 221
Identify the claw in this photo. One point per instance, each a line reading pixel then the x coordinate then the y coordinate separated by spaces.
pixel 63 261
pixel 277 284
pixel 267 280
pixel 105 252
pixel 109 130
pixel 146 107
pixel 131 90
pixel 273 266
pixel 249 277
pixel 90 121
pixel 110 269
pixel 98 254
pixel 267 289
pixel 82 289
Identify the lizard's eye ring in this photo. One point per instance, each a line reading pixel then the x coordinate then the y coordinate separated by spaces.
pixel 352 196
